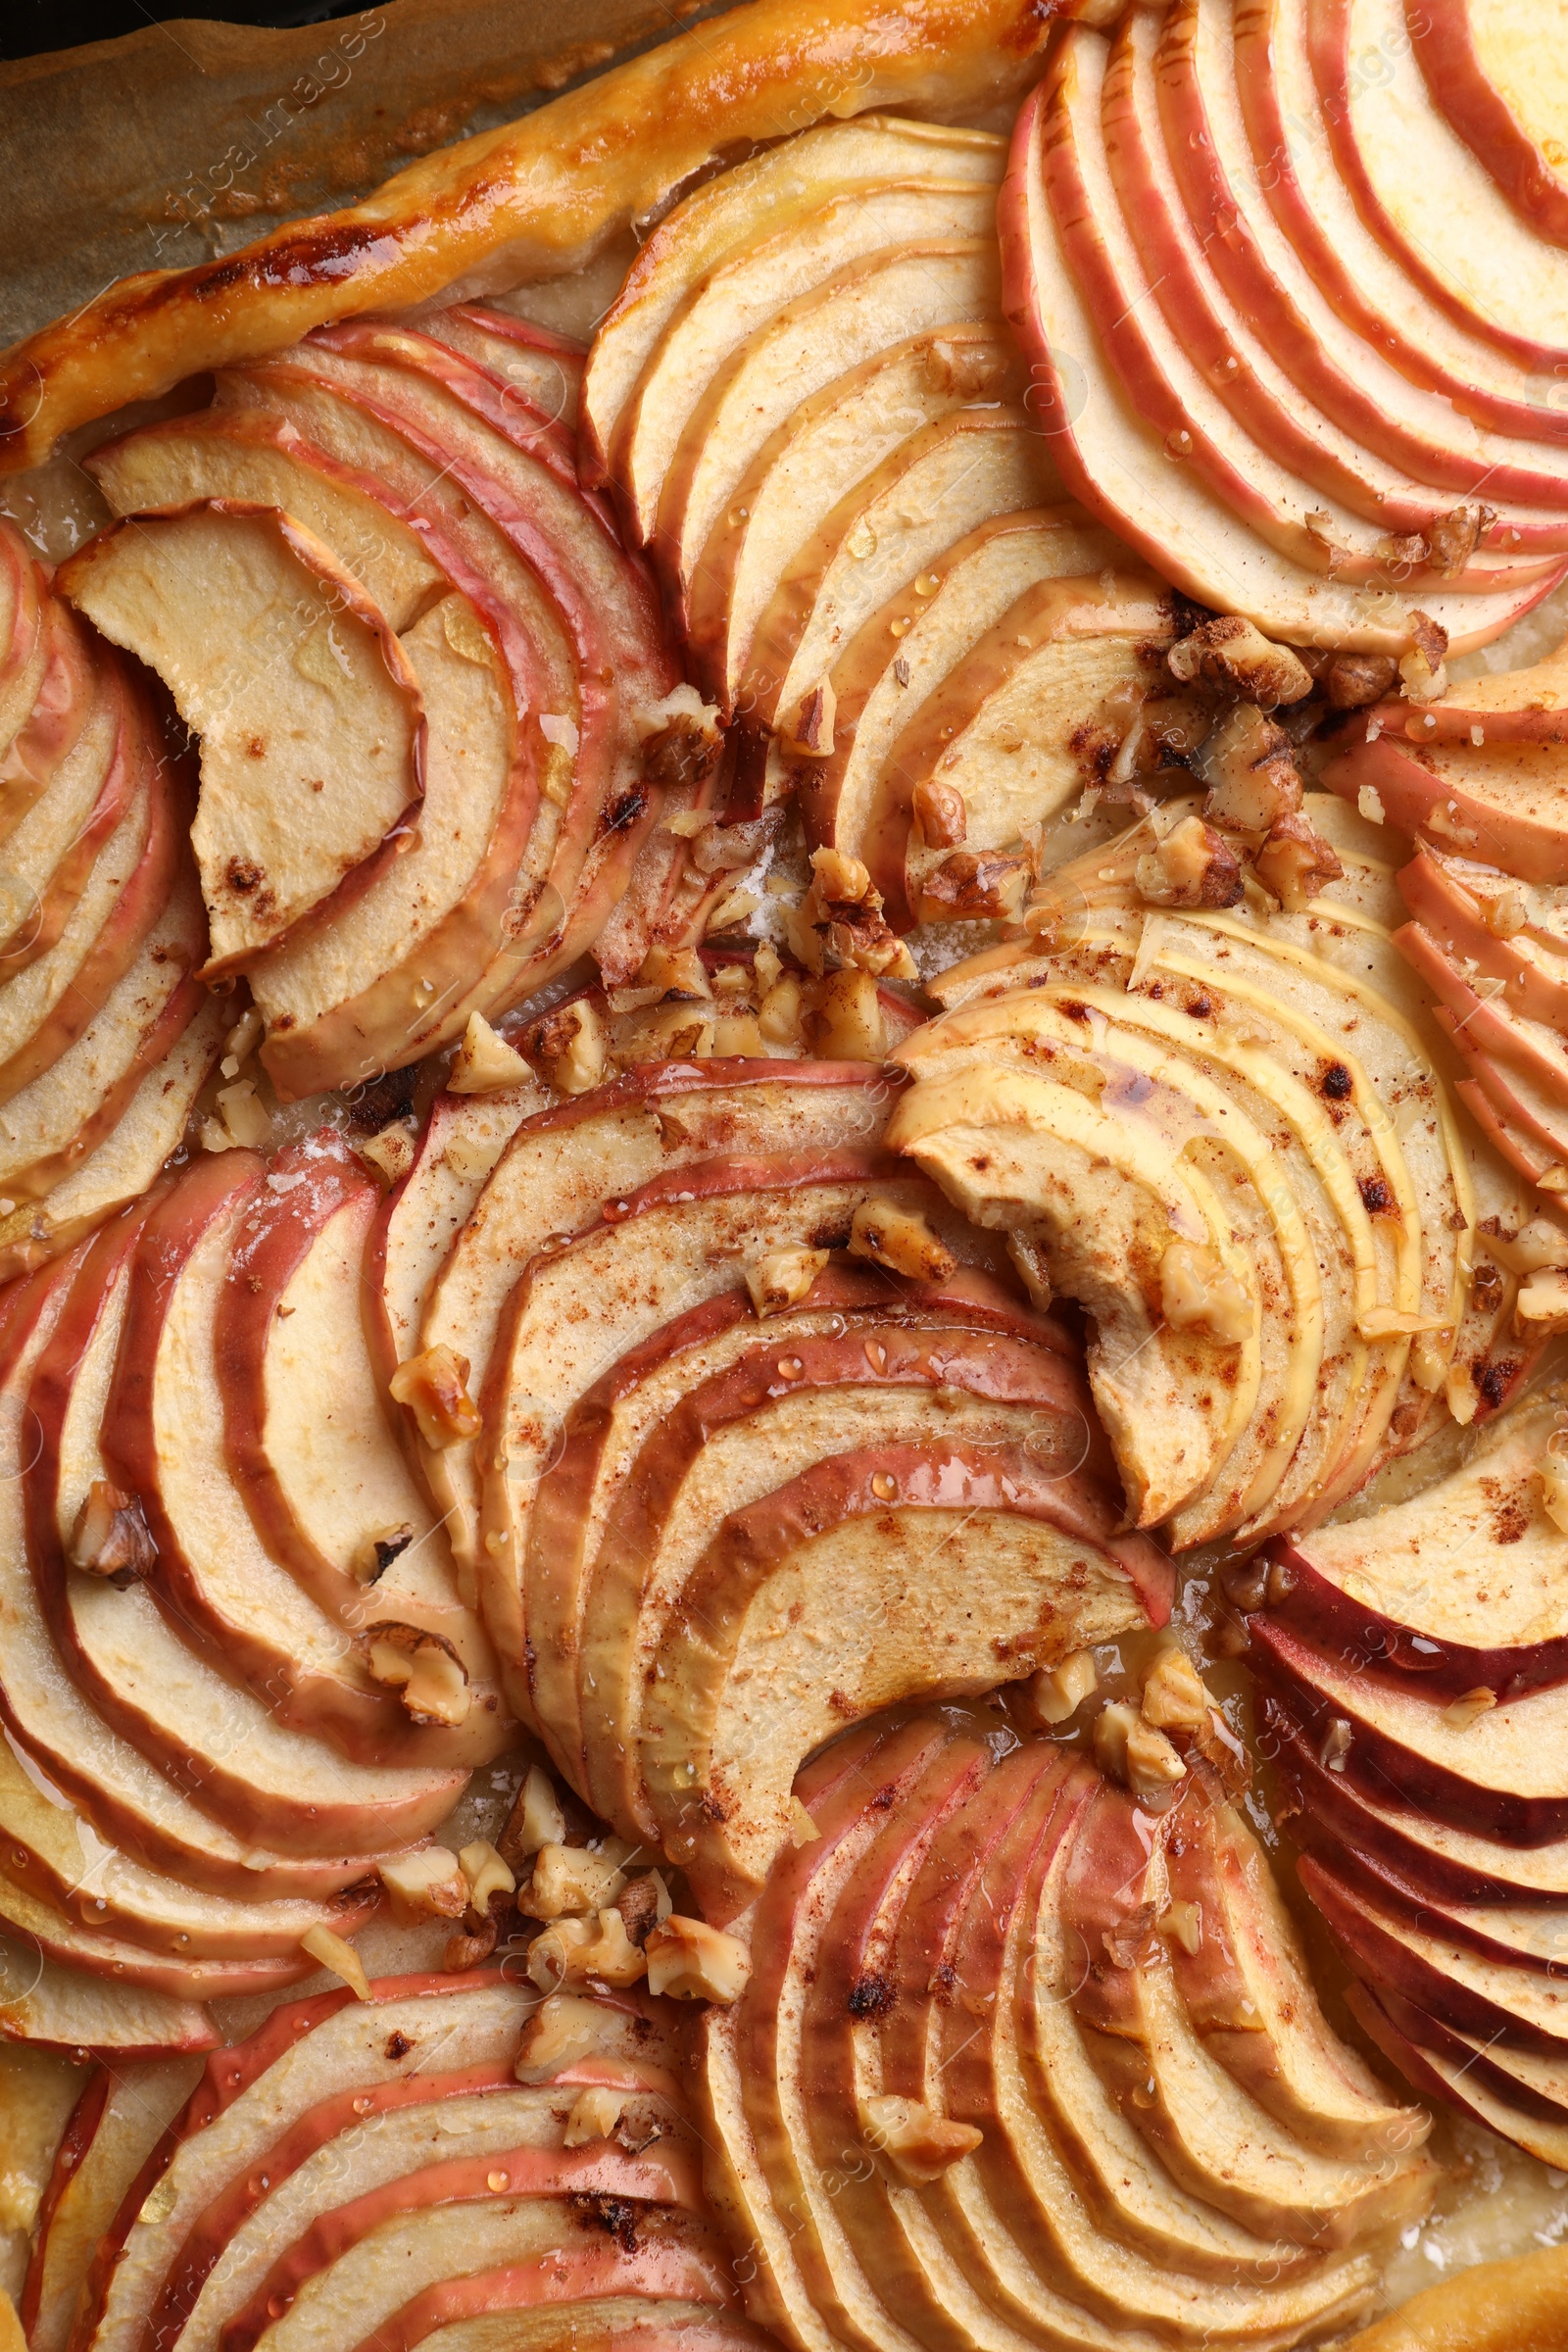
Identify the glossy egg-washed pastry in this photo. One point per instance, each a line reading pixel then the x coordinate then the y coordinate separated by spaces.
pixel 784 1218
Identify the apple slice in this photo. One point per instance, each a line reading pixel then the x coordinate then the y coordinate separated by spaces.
pixel 627 1447
pixel 1415 1584
pixel 543 372
pixel 1262 338
pixel 126 1651
pixel 306 1435
pixel 728 1430
pixel 66 2010
pixel 1460 1988
pixel 25 646
pixel 52 848
pixel 1496 1775
pixel 1525 1935
pixel 1431 203
pixel 113 2127
pixel 1412 1847
pixel 728 217
pixel 1291 479
pixel 168 1438
pixel 182 1977
pixel 250 2097
pixel 68 693
pixel 654 1253
pixel 1502 97
pixel 51 1125
pixel 1112 458
pixel 1484 1025
pixel 907 650
pixel 562 1165
pixel 464 1138
pixel 312 755
pixel 109 1782
pixel 667 2262
pixel 1458 2069
pixel 1244 1987
pixel 1505 706
pixel 839 436
pixel 55 1858
pixel 866 307
pixel 1010 728
pixel 1213 2138
pixel 1499 802
pixel 1451 902
pixel 127 1160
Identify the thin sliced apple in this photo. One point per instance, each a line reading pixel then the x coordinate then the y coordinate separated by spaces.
pixel 827 444
pixel 543 371
pixel 67 692
pixel 51 1125
pixel 661 1250
pixel 126 1650
pixel 1429 200
pixel 729 215
pixel 312 754
pixel 562 1165
pixel 668 2261
pixel 24 636
pixel 305 2051
pixel 1007 727
pixel 1499 802
pixel 64 2009
pixel 1417 1582
pixel 1114 459
pixel 1501 91
pixel 1216 2141
pixel 114 2127
pixel 52 849
pixel 907 649
pixel 1451 901
pixel 123 1798
pixel 1497 1774
pixel 1287 476
pixel 1505 706
pixel 868 306
pixel 1461 2069
pixel 180 1977
pixel 129 1159
pixel 169 1439
pixel 55 1858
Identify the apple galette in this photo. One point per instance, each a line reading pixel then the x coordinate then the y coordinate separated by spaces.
pixel 784 1217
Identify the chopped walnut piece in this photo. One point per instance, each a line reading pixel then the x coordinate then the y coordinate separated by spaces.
pixel 571 1046
pixel 375 1552
pixel 1195 1287
pixel 1463 1712
pixel 976 886
pixel 1191 866
pixel 694 1961
pixel 918 2145
pixel 1153 1763
pixel 1353 680
pixel 844 1022
pixel 426 1883
pixel 965 370
pixel 484 1062
pixel 1335 1745
pixel 802 1829
pixel 840 880
pixel 486 1872
pixel 1057 1693
pixel 593 2116
pixel 782 1011
pixel 241 1041
pixel 1296 861
pixel 681 738
pixel 111 1536
pixel 390 1152
pixel 1543 1302
pixel 783 1278
pixel 1453 538
pixel 597 1947
pixel 245 1116
pixel 423 1669
pixel 1183 1924
pixel 1422 668
pixel 940 813
pixel 535 1820
pixel 900 1239
pixel 1174 1697
pixel 569 1880
pixel 333 1953
pixel 1251 776
pixel 729 848
pixel 675 973
pixel 1235 657
pixel 433 1387
pixel 469 1951
pixel 829 932
pixel 642 1903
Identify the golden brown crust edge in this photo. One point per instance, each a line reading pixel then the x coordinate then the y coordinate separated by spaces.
pixel 1519 2306
pixel 535 198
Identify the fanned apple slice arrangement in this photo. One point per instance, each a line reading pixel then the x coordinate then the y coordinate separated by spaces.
pixel 236 1673
pixel 707 1460
pixel 443 2162
pixel 1416 1666
pixel 1227 1131
pixel 105 1032
pixel 425 784
pixel 1270 303
pixel 808 403
pixel 1019 2062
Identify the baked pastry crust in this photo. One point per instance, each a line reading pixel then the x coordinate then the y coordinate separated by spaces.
pixel 536 198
